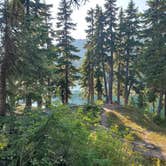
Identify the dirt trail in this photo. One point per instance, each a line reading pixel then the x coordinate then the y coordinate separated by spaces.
pixel 151 144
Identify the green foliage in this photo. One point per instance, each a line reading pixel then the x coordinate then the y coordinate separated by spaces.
pixel 66 70
pixel 159 121
pixel 151 96
pixel 61 137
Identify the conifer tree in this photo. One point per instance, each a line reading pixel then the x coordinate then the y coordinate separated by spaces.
pixel 35 45
pixel 11 14
pixel 88 65
pixel 153 59
pixel 100 55
pixel 110 20
pixel 120 52
pixel 132 45
pixel 25 62
pixel 67 71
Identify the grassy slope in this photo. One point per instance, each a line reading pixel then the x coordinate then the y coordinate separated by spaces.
pixel 141 124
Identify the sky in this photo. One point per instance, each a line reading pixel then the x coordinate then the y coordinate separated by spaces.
pixel 79 15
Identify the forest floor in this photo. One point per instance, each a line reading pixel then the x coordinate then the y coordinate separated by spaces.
pixel 148 137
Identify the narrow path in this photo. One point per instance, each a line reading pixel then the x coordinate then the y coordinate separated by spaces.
pixel 152 144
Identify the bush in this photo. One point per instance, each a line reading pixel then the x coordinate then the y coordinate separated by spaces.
pixel 61 138
pixel 159 121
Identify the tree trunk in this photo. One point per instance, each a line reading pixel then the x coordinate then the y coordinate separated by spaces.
pixel 28 102
pixel 39 103
pixel 126 79
pixel 2 90
pixel 27 3
pixel 160 103
pixel 89 81
pixel 92 85
pixel 66 92
pixel 105 83
pixel 129 90
pixel 165 105
pixel 118 84
pixel 12 102
pixel 62 95
pixel 88 90
pixel 99 89
pixel 153 105
pixel 4 64
pixel 99 95
pixel 49 96
pixel 48 101
pixel 110 101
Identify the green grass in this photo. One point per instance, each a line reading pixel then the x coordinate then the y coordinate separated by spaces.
pixel 140 124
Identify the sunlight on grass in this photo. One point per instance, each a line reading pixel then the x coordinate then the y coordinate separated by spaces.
pixel 141 125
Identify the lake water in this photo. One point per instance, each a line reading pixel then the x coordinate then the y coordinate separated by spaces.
pixel 76 97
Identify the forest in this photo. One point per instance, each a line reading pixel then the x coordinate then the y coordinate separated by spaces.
pixel 121 80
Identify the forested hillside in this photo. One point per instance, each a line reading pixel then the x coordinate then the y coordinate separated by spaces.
pixel 98 101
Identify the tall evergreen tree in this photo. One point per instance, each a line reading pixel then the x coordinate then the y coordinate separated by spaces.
pixel 34 38
pixel 26 33
pixel 132 44
pixel 67 71
pixel 100 55
pixel 153 59
pixel 120 52
pixel 110 17
pixel 11 14
pixel 88 65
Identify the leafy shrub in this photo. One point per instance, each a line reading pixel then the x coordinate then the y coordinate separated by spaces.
pixel 99 102
pixel 159 121
pixel 62 137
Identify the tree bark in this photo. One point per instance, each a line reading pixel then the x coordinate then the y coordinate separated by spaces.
pixel 160 103
pixel 62 95
pixel 39 102
pixel 105 83
pixel 92 85
pixel 66 92
pixel 27 7
pixel 126 79
pixel 129 91
pixel 2 90
pixel 28 102
pixel 4 64
pixel 99 89
pixel 49 96
pixel 153 105
pixel 110 100
pixel 118 84
pixel 89 79
pixel 165 105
